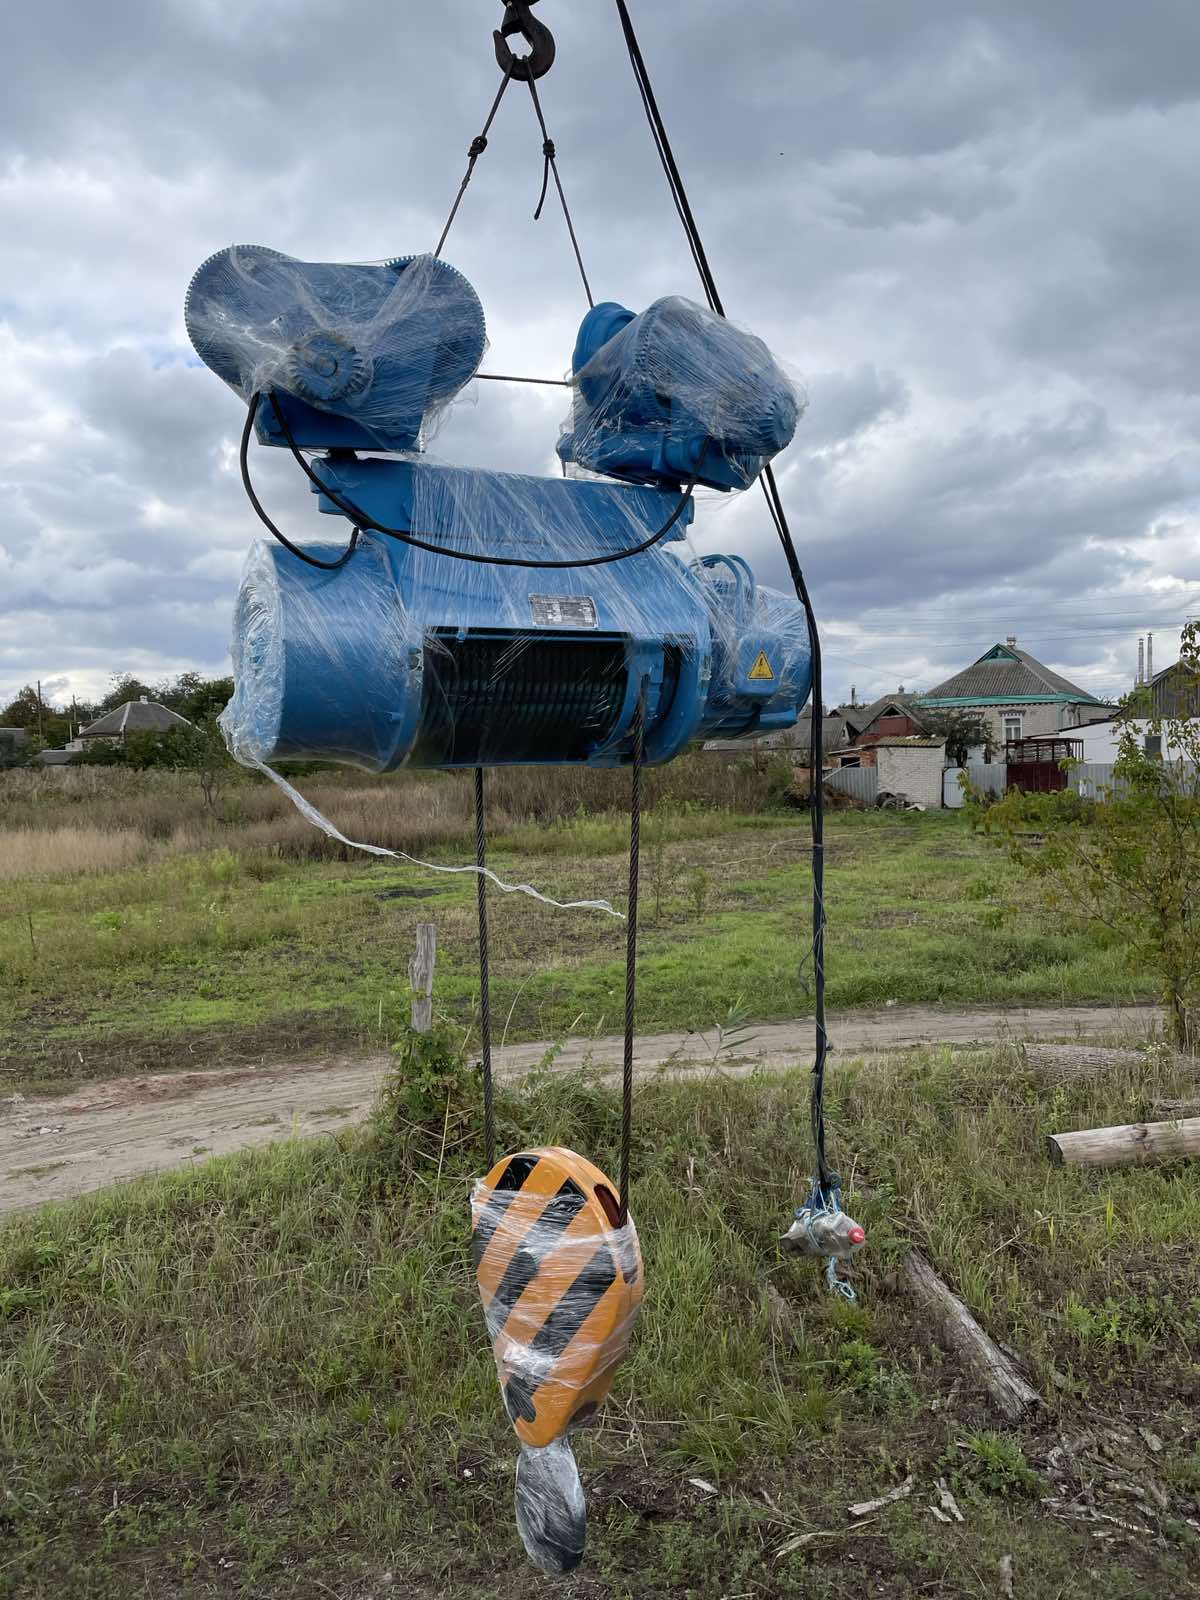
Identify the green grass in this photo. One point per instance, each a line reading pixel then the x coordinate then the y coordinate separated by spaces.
pixel 229 956
pixel 268 1376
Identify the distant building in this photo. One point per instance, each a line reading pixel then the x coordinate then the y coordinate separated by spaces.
pixel 911 766
pixel 135 716
pixel 1174 692
pixel 13 740
pixel 794 742
pixel 891 716
pixel 1016 695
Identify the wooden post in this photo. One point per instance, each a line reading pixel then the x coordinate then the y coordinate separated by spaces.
pixel 420 976
pixel 1116 1147
pixel 1012 1395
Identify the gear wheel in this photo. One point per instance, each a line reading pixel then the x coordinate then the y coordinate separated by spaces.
pixel 324 367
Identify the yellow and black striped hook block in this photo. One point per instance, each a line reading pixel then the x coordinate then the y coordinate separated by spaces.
pixel 561 1282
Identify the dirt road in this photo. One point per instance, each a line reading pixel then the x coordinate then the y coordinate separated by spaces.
pixel 107 1132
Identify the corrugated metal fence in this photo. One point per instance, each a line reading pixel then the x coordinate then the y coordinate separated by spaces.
pixel 1090 777
pixel 987 777
pixel 861 782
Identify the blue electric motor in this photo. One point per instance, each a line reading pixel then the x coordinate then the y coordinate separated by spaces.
pixel 406 655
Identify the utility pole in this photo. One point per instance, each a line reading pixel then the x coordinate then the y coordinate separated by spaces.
pixel 41 735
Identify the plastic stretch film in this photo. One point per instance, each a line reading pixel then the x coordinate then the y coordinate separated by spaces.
pixel 674 392
pixel 490 618
pixel 561 1285
pixel 362 356
pixel 403 656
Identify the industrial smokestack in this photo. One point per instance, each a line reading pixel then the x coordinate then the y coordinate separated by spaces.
pixel 1149 658
pixel 1141 672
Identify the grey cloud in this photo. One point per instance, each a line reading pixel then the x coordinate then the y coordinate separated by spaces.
pixel 971 230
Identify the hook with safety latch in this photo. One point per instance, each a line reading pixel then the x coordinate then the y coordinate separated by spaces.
pixel 518 18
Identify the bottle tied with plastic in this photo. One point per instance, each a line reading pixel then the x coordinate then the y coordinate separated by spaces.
pixel 561 1282
pixel 822 1229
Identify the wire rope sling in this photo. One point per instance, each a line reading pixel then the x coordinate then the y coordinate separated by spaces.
pixel 477 619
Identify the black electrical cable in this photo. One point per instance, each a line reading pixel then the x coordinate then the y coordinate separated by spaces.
pixel 312 561
pixel 774 501
pixel 361 520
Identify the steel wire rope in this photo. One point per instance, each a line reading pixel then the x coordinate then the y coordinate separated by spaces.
pixel 631 932
pixel 485 993
pixel 476 148
pixel 826 1179
pixel 551 166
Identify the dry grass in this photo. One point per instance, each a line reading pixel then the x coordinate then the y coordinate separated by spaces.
pixel 68 852
pixel 89 819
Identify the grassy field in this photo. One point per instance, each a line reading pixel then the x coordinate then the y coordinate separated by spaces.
pixel 138 932
pixel 269 1377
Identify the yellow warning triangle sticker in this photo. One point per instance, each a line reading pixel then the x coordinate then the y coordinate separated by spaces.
pixel 762 669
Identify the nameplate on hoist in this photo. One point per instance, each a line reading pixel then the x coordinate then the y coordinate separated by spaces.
pixel 563 610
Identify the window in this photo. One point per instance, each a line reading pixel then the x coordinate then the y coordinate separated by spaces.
pixel 1013 724
pixel 1152 744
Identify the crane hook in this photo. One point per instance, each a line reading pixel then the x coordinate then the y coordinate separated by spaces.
pixel 519 19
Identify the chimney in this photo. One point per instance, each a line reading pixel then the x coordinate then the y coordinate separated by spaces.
pixel 142 698
pixel 1141 673
pixel 853 695
pixel 1011 641
pixel 1149 658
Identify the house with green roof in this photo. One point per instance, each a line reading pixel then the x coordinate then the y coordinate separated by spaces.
pixel 1016 695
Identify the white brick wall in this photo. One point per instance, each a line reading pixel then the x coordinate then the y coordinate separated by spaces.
pixel 912 770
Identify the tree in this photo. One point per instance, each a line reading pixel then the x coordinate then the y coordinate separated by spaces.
pixel 48 725
pixel 1131 861
pixel 22 710
pixel 199 749
pixel 13 754
pixel 964 730
pixel 125 687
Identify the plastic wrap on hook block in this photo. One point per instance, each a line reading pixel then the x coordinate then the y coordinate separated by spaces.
pixel 359 356
pixel 561 1283
pixel 676 393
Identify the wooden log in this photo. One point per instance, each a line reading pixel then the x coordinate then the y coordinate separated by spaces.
pixel 1011 1394
pixel 1176 1108
pixel 420 976
pixel 1064 1063
pixel 1134 1141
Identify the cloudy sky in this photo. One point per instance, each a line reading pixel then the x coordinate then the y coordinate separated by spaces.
pixel 970 229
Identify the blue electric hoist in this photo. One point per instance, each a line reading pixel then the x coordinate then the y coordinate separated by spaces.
pixel 488 618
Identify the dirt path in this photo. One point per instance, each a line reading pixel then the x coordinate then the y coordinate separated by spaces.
pixel 107 1132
